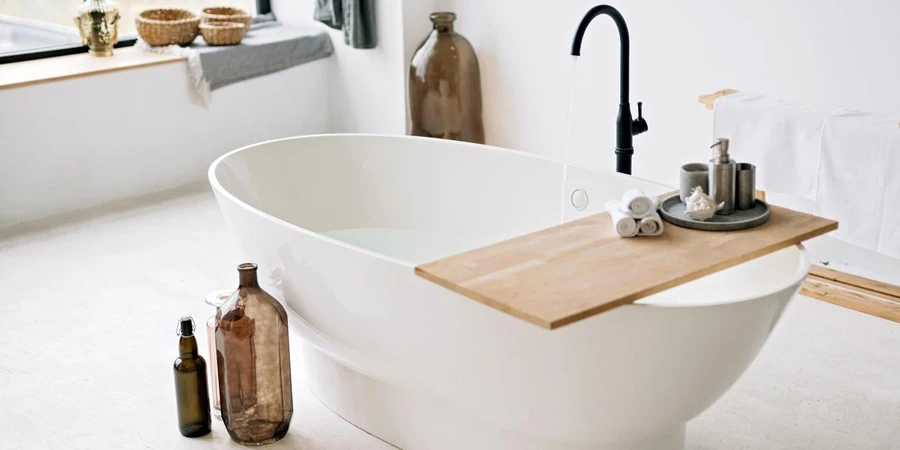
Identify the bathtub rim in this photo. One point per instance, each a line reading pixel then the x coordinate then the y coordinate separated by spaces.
pixel 802 268
pixel 219 189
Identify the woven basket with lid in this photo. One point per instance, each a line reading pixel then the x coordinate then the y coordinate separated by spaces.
pixel 167 26
pixel 220 14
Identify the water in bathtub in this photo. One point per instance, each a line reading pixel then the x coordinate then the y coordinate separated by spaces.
pixel 412 246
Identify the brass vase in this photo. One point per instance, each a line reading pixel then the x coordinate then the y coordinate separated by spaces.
pixel 253 363
pixel 98 23
pixel 445 85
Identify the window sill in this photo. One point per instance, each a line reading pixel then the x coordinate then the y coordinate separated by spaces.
pixel 73 66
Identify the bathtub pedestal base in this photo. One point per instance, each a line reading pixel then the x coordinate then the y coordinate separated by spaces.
pixel 414 422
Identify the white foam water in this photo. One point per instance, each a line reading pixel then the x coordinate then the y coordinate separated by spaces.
pixel 565 161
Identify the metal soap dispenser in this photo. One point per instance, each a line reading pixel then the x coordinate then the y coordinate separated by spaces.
pixel 721 177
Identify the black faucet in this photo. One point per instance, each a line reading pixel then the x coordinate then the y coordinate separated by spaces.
pixel 625 127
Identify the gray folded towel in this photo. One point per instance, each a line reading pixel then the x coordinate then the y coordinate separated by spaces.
pixel 355 17
pixel 269 47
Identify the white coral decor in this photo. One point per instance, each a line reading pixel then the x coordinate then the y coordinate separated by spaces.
pixel 701 206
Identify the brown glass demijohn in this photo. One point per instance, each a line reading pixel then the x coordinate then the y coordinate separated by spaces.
pixel 254 363
pixel 445 85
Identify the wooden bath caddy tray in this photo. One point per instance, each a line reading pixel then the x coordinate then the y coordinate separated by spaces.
pixel 575 270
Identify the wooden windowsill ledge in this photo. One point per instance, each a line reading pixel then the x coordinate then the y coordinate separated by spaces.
pixel 38 71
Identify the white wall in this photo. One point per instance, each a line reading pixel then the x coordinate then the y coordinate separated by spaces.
pixel 827 52
pixel 73 144
pixel 366 85
pixel 148 136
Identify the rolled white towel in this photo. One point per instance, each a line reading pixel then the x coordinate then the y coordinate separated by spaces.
pixel 651 225
pixel 653 210
pixel 624 224
pixel 637 203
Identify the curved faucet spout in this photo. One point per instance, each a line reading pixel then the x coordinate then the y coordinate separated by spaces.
pixel 626 128
pixel 624 42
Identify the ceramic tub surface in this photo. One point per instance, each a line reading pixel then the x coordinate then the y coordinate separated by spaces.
pixel 337 224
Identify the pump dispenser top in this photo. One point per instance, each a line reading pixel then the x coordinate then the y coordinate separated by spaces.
pixel 720 154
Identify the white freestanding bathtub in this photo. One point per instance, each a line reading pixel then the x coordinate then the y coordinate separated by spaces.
pixel 339 222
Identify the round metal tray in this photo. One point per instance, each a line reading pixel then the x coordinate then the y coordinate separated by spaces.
pixel 672 210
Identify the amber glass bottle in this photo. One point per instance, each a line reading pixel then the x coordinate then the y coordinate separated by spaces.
pixel 254 363
pixel 445 85
pixel 191 392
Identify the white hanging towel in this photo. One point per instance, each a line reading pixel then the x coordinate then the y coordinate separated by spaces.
pixel 859 179
pixel 780 137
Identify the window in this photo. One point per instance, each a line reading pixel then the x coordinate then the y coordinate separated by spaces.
pixel 31 29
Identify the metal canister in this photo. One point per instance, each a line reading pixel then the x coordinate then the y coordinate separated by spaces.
pixel 745 197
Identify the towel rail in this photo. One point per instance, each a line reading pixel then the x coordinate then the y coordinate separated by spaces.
pixel 709 100
pixel 871 297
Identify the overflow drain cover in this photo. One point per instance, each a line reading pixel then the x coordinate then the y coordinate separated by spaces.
pixel 579 199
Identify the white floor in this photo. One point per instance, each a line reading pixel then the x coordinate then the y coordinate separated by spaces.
pixel 89 309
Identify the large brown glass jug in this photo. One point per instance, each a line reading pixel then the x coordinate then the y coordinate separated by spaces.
pixel 254 363
pixel 445 85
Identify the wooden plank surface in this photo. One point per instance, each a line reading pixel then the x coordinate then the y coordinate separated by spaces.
pixel 27 73
pixel 852 297
pixel 875 286
pixel 572 271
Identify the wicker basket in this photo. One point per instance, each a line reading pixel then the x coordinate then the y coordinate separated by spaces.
pixel 223 33
pixel 220 14
pixel 167 26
